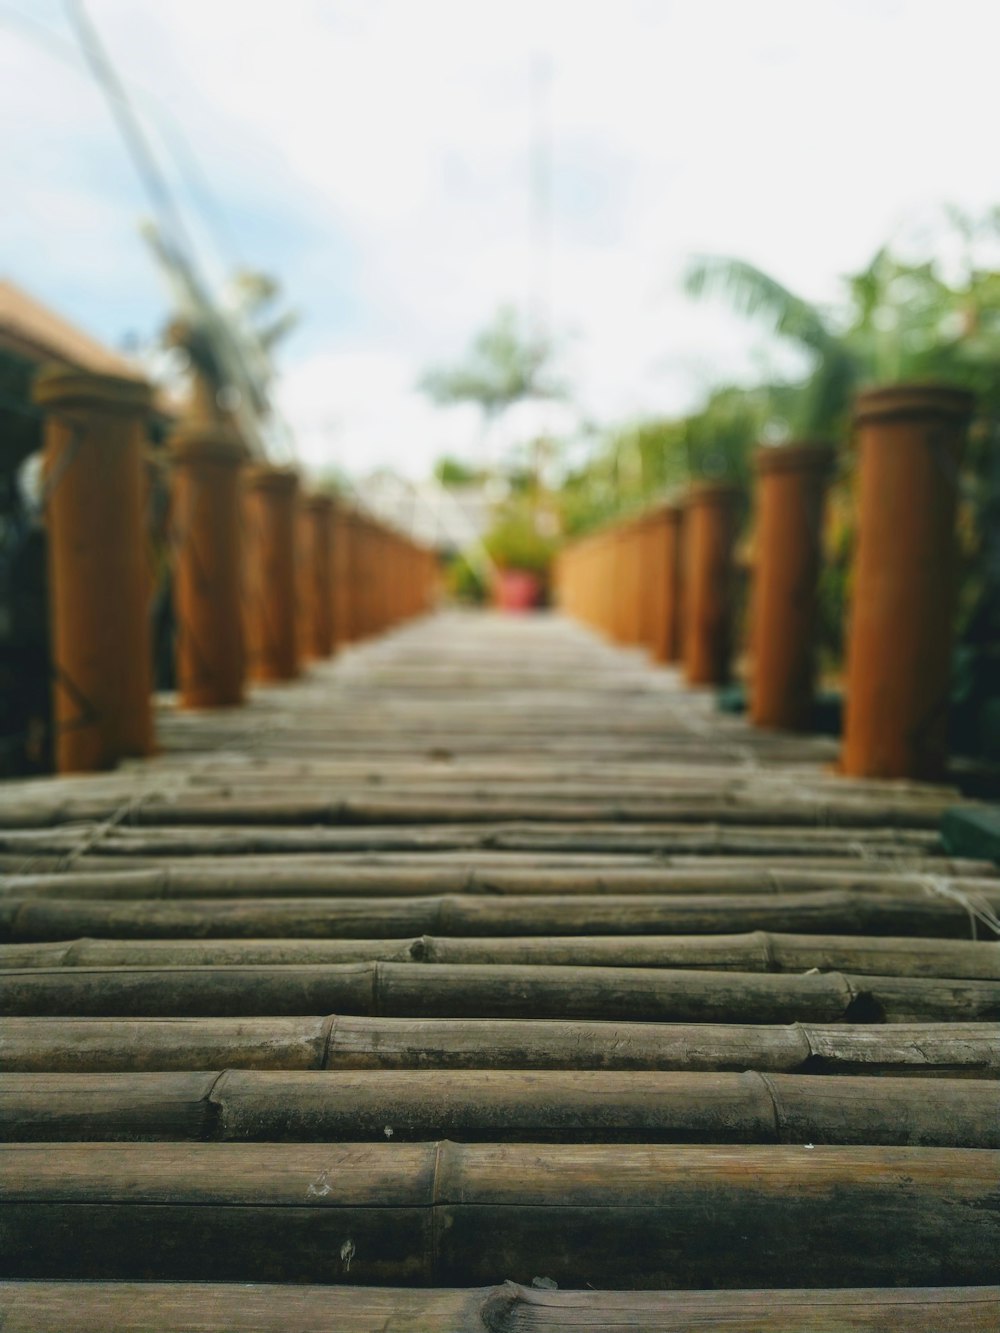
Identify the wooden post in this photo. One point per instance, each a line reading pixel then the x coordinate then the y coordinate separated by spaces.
pixel 102 658
pixel 711 533
pixel 661 591
pixel 206 458
pixel 316 575
pixel 360 576
pixel 343 573
pixel 631 591
pixel 272 637
pixel 911 439
pixel 609 581
pixel 790 489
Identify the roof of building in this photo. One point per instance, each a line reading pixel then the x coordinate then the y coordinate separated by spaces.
pixel 33 331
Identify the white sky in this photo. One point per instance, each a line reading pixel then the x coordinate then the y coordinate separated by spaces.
pixel 375 154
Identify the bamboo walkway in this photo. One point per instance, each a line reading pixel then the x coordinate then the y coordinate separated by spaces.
pixel 488 979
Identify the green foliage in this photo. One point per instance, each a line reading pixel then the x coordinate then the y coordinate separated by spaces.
pixel 464 582
pixel 255 294
pixel 505 364
pixel 818 406
pixel 451 471
pixel 20 420
pixel 634 465
pixel 901 320
pixel 515 542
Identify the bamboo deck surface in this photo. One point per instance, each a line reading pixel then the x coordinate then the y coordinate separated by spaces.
pixel 488 979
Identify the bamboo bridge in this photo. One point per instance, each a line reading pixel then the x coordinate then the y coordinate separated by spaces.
pixel 485 977
pixel 489 979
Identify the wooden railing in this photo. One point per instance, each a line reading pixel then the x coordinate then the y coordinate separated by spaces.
pixel 264 575
pixel 664 579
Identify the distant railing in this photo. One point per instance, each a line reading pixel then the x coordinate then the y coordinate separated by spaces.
pixel 264 576
pixel 664 579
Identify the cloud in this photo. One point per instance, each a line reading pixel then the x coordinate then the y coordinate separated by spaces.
pixel 356 410
pixel 377 155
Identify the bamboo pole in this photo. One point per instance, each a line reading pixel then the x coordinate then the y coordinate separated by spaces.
pixel 754 951
pixel 385 1212
pixel 308 877
pixel 831 912
pixel 500 1106
pixel 77 1045
pixel 154 1307
pixel 547 804
pixel 486 831
pixel 457 990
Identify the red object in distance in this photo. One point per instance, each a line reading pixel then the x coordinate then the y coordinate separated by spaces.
pixel 516 590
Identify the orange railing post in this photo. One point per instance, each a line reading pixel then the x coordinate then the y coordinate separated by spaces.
pixel 708 581
pixel 316 575
pixel 99 584
pixel 270 503
pixel 207 536
pixel 910 440
pixel 791 482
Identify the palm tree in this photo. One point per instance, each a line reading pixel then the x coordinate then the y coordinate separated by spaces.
pixel 818 406
pixel 504 366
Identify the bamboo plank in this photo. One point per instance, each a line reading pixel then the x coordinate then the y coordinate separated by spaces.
pixel 970 1050
pixel 649 1217
pixel 282 869
pixel 157 1307
pixel 702 1013
pixel 457 990
pixel 124 841
pixel 754 951
pixel 420 879
pixel 830 912
pixel 495 1106
pixel 81 1044
pixel 460 807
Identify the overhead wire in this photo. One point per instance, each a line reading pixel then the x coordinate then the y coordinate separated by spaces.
pixel 173 241
pixel 192 175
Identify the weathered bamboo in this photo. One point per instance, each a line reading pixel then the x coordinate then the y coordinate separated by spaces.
pixel 641 1216
pixel 557 837
pixel 433 807
pixel 831 912
pixel 278 873
pixel 180 880
pixel 508 892
pixel 52 802
pixel 76 1045
pixel 153 1307
pixel 500 1106
pixel 83 1044
pixel 493 991
pixel 753 951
